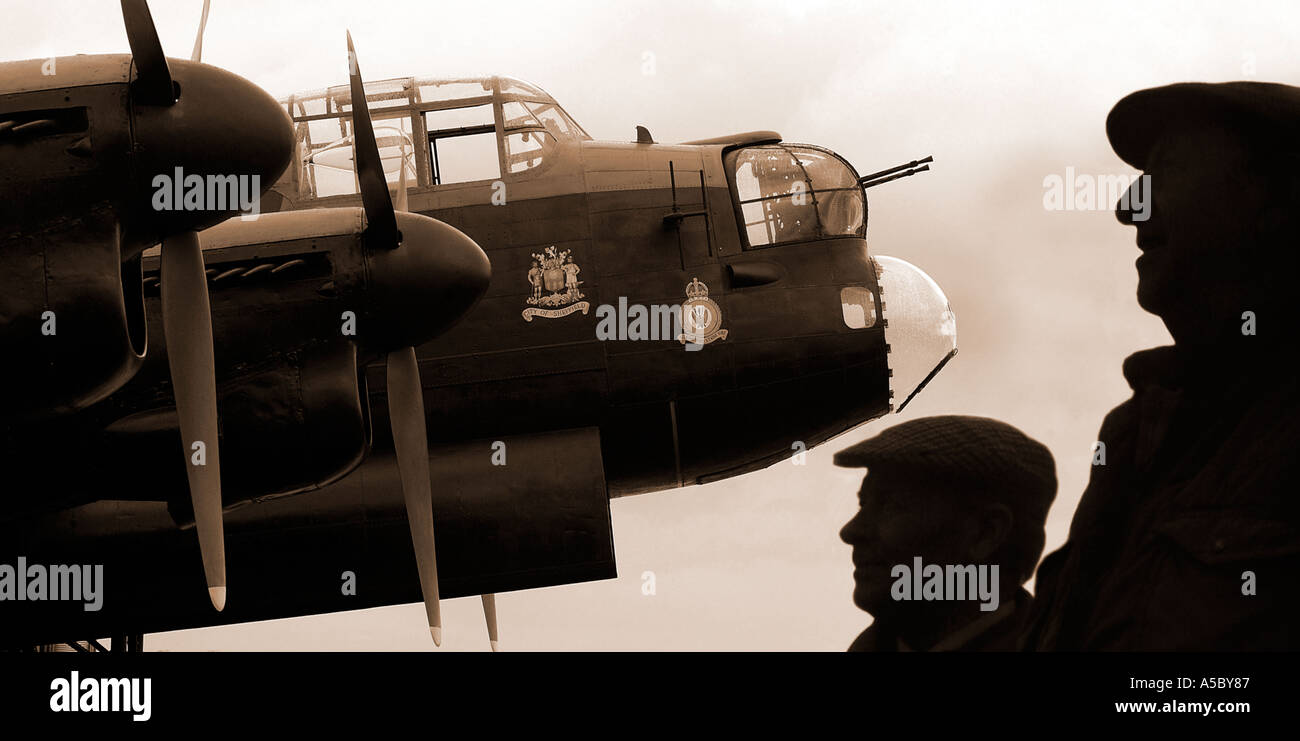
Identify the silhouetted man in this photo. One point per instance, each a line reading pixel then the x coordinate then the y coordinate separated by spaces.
pixel 950 526
pixel 1186 537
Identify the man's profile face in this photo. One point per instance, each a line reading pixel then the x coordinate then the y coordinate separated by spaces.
pixel 1205 205
pixel 899 518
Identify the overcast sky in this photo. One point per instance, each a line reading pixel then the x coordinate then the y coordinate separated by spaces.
pixel 1002 94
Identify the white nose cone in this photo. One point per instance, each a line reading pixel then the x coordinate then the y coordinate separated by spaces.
pixel 920 328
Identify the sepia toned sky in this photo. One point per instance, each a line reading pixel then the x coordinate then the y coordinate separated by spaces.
pixel 1002 95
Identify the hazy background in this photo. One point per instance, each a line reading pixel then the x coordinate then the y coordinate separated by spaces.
pixel 1002 94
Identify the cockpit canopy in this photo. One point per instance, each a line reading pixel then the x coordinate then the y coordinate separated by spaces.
pixel 468 130
pixel 795 193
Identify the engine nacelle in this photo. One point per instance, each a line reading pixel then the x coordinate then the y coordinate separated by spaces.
pixel 297 423
pixel 71 317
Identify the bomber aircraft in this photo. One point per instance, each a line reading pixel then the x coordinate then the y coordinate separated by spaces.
pixel 657 315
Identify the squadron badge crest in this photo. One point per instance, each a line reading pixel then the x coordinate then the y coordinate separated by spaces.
pixel 701 316
pixel 554 280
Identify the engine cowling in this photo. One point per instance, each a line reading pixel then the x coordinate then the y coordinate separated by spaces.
pixel 72 317
pixel 298 422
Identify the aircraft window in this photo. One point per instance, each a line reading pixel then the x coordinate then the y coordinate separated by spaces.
pixel 511 86
pixel 782 219
pixel 556 121
pixel 456 119
pixel 774 199
pixel 432 92
pixel 789 194
pixel 464 159
pixel 396 150
pixel 840 203
pixel 463 145
pixel 920 327
pixel 525 149
pixel 840 211
pixel 516 116
pixel 327 161
pixel 314 106
pixel 764 171
pixel 826 170
pixel 379 94
pixel 859 307
pixel 326 131
pixel 330 168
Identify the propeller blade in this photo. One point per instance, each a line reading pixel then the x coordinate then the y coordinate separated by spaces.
pixel 490 614
pixel 153 78
pixel 381 221
pixel 187 327
pixel 197 56
pixel 406 409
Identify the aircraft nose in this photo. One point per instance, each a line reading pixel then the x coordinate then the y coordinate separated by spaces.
pixel 424 286
pixel 221 126
pixel 920 328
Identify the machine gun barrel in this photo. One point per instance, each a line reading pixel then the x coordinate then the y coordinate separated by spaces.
pixel 877 178
pixel 882 181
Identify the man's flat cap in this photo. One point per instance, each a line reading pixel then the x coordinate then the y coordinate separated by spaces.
pixel 1267 112
pixel 960 448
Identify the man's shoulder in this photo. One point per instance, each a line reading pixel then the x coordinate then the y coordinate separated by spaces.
pixel 1007 633
pixel 1142 370
pixel 989 632
pixel 873 639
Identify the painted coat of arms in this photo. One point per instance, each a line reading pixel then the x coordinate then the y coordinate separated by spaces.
pixel 701 316
pixel 554 280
